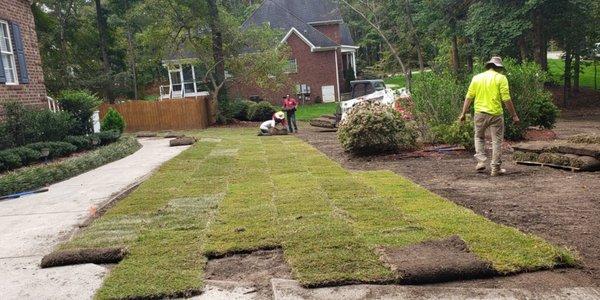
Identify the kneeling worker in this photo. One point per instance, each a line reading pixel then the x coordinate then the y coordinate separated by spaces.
pixel 268 127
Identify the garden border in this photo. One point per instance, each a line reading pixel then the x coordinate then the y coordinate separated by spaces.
pixel 30 178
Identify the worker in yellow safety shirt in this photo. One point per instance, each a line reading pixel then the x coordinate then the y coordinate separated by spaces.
pixel 490 90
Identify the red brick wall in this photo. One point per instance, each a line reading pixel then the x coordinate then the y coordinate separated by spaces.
pixel 315 69
pixel 33 93
pixel 332 31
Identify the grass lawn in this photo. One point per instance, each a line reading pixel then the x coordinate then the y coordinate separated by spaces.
pixel 398 81
pixel 236 192
pixel 556 68
pixel 312 111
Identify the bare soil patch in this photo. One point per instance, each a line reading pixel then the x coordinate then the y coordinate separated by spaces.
pixel 561 207
pixel 255 269
pixel 435 261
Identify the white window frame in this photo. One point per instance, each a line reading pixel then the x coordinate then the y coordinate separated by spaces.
pixel 11 54
pixel 292 62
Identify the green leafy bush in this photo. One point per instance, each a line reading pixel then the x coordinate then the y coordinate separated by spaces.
pixel 532 101
pixel 9 160
pixel 81 104
pixel 42 175
pixel 438 98
pixel 236 109
pixel 261 112
pixel 113 121
pixel 57 149
pixel 240 109
pixel 108 137
pixel 24 125
pixel 372 128
pixel 456 134
pixel 27 155
pixel 82 142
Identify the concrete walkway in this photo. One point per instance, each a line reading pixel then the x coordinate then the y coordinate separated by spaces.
pixel 30 227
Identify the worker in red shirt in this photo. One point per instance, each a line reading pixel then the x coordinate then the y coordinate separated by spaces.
pixel 290 105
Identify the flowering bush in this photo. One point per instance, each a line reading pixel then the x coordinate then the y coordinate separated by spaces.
pixel 372 128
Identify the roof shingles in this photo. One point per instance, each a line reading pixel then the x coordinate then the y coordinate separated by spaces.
pixel 299 14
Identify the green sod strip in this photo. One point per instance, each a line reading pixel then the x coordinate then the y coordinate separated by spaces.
pixel 166 260
pixel 318 242
pixel 246 216
pixel 167 257
pixel 508 249
pixel 122 224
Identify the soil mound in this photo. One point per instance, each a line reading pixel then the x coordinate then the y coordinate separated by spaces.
pixel 435 261
pixel 83 256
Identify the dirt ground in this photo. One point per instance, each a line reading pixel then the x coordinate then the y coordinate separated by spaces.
pixel 560 206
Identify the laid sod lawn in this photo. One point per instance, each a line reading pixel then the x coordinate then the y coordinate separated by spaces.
pixel 556 68
pixel 235 193
pixel 311 111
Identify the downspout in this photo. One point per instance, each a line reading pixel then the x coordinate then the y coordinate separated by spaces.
pixel 337 77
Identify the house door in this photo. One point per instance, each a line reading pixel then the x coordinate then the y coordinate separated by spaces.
pixel 328 92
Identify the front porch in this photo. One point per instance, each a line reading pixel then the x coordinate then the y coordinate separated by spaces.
pixel 183 81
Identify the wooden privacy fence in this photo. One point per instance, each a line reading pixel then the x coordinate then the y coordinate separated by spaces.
pixel 181 114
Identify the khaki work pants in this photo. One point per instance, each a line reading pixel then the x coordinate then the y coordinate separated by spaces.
pixel 495 124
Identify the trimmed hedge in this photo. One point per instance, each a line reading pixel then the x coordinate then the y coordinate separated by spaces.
pixel 108 137
pixel 42 175
pixel 57 149
pixel 82 142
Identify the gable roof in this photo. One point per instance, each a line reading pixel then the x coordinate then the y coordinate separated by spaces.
pixel 313 11
pixel 296 16
pixel 278 17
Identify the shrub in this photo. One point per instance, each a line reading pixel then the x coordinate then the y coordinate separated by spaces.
pixel 236 109
pixel 81 104
pixel 532 101
pixel 9 160
pixel 107 137
pixel 240 109
pixel 82 142
pixel 42 175
pixel 372 128
pixel 57 149
pixel 456 134
pixel 113 121
pixel 262 111
pixel 438 98
pixel 27 155
pixel 25 125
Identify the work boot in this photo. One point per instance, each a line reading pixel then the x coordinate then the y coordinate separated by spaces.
pixel 480 167
pixel 497 171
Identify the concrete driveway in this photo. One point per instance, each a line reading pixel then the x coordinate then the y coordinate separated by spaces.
pixel 30 227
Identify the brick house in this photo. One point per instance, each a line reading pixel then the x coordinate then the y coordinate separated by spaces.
pixel 21 75
pixel 322 49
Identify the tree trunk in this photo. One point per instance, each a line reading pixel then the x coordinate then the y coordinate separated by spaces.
pixel 454 54
pixel 576 71
pixel 217 45
pixel 540 44
pixel 470 62
pixel 132 54
pixel 103 32
pixel 567 76
pixel 415 36
pixel 522 49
